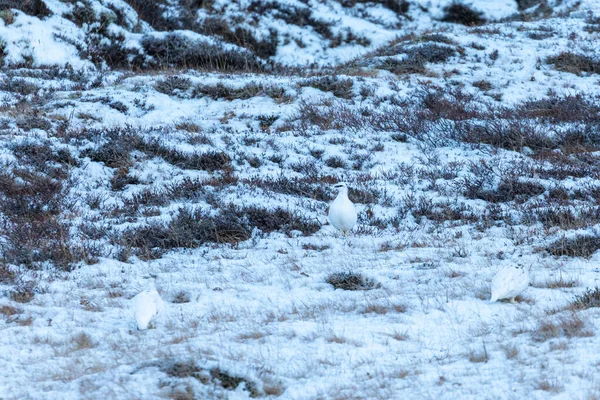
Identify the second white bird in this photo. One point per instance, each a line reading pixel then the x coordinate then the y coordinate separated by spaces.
pixel 145 306
pixel 342 213
pixel 509 283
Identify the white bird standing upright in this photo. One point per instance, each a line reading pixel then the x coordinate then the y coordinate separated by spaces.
pixel 508 283
pixel 146 305
pixel 342 213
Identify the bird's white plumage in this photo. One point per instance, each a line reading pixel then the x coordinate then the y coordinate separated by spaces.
pixel 145 306
pixel 509 283
pixel 342 213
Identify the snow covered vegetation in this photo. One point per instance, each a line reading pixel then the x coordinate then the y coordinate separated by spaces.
pixel 195 145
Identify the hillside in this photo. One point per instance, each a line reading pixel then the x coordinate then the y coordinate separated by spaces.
pixel 195 143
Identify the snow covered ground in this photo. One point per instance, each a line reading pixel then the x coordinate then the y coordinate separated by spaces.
pixel 127 159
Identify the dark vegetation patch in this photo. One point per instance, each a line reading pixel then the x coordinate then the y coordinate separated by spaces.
pixel 36 8
pixel 215 376
pixel 415 57
pixel 510 134
pixel 557 109
pixel 241 36
pixel 578 246
pixel 459 13
pixel 592 24
pixel 173 84
pixel 439 211
pixel 483 85
pixel 590 298
pixel 221 91
pixel 335 162
pixel 309 186
pixel 32 202
pixel 563 217
pixel 509 189
pixel 351 281
pixel 177 51
pixel 574 63
pixel 194 228
pixel 400 7
pixel 120 142
pixel 122 178
pixel 23 293
pixel 339 87
pixel 525 4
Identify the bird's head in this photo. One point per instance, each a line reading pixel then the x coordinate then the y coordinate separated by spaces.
pixel 341 187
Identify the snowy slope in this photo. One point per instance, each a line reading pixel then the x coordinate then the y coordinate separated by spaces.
pixel 161 150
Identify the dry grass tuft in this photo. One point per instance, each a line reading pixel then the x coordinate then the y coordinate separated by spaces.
pixel 590 298
pixel 564 326
pixel 351 281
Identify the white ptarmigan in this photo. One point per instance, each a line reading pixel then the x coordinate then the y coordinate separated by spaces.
pixel 146 305
pixel 508 283
pixel 342 213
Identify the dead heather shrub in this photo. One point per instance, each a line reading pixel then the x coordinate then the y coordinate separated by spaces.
pixel 153 13
pixel 339 87
pixel 555 282
pixel 415 57
pixel 121 178
pixel 552 386
pixel 557 109
pixel 351 281
pixel 9 311
pixel 483 85
pixel 590 298
pixel 309 187
pixel 400 7
pixel 6 274
pixel 563 326
pixel 177 51
pixel 36 8
pixel 30 122
pixel 578 246
pixel 32 202
pixel 592 24
pixel 574 63
pixel 262 47
pixel 82 341
pixel 194 228
pixel 479 185
pixel 221 91
pixel 403 66
pixel 32 243
pixel 314 247
pixel 459 13
pixel 335 162
pixel 23 292
pixel 564 218
pixel 208 161
pixel 514 134
pixel 525 4
pixel 449 103
pixel 189 369
pixel 120 142
pixel 424 207
pixel 18 85
pixel 173 84
pixel 540 35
